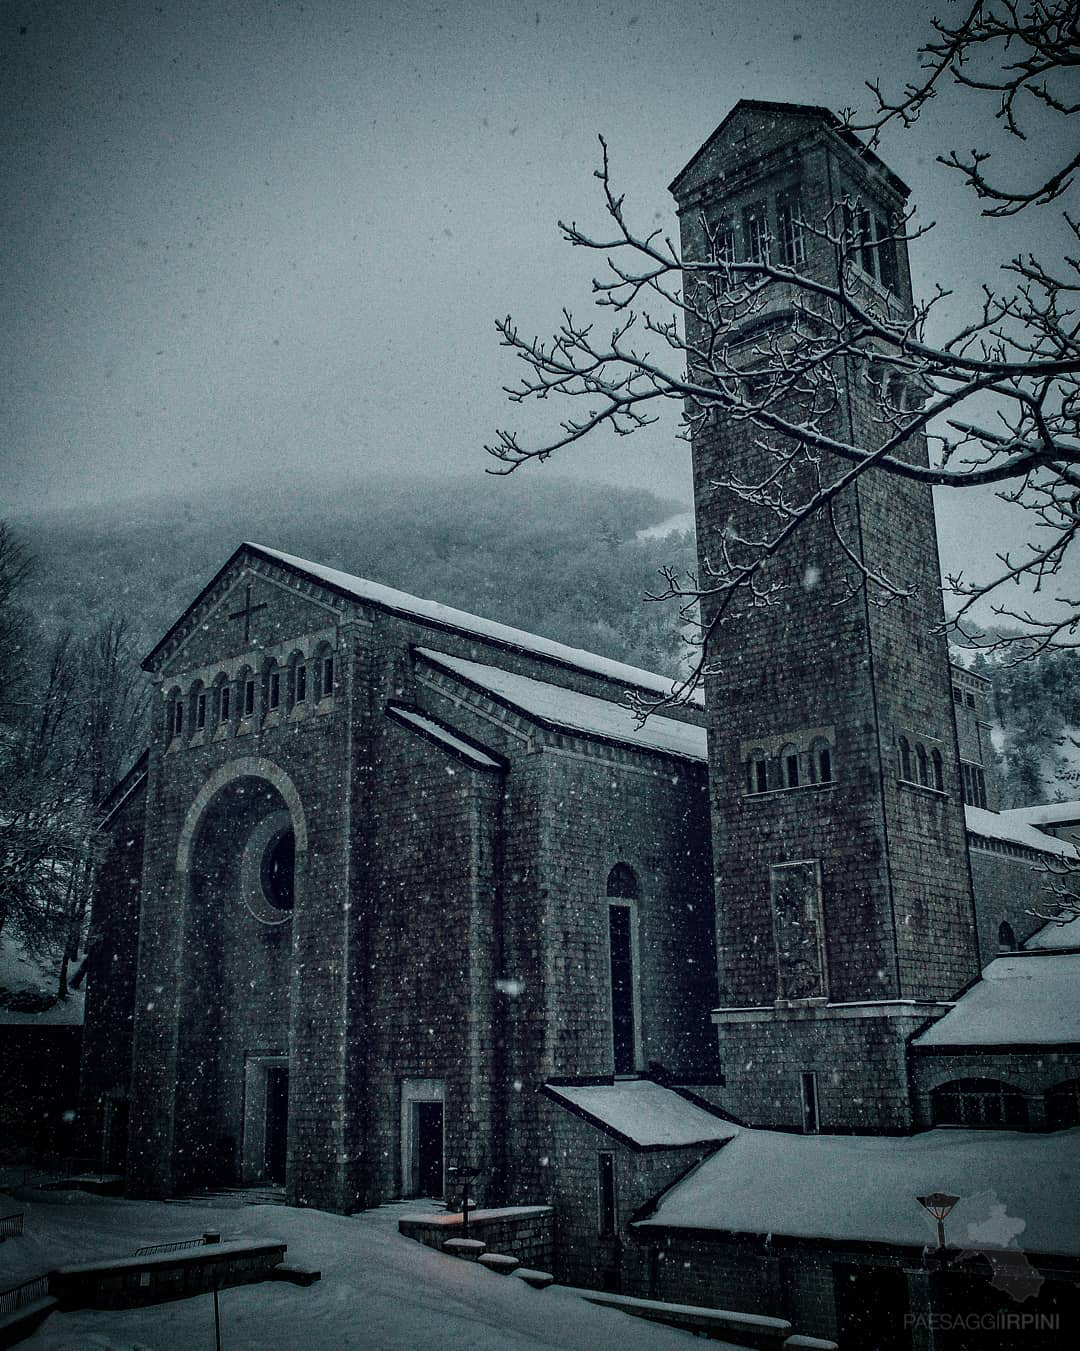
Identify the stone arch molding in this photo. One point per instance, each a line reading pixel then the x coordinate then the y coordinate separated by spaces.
pixel 248 767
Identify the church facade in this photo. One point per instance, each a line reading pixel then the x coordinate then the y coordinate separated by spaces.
pixel 400 895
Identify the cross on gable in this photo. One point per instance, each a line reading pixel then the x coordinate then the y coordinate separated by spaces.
pixel 247 611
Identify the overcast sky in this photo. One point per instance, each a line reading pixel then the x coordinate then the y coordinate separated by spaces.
pixel 246 238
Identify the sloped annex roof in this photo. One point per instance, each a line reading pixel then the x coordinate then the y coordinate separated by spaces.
pixel 1003 826
pixel 1054 935
pixel 807 110
pixel 1017 1189
pixel 1046 814
pixel 643 1114
pixel 447 738
pixel 1023 999
pixel 443 616
pixel 558 707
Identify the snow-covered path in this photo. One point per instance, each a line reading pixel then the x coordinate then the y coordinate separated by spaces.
pixel 378 1289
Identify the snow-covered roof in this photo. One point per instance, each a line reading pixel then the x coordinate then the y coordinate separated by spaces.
pixel 1053 935
pixel 387 598
pixel 441 734
pixel 1004 826
pixel 1046 814
pixel 644 1113
pixel 1021 1000
pixel 1017 1189
pixel 585 713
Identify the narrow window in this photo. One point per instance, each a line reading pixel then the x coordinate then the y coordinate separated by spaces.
pixel 1006 936
pixel 178 718
pixel 888 270
pixel 301 683
pixel 200 711
pixel 789 759
pixel 957 695
pixel 622 988
pixel 756 232
pixel 722 240
pixel 810 1117
pixel 905 759
pixel 327 676
pixel 792 247
pixel 226 702
pixel 969 699
pixel 249 696
pixel 867 252
pixel 273 690
pixel 819 762
pixel 924 769
pixel 606 1194
pixel 757 773
pixel 937 767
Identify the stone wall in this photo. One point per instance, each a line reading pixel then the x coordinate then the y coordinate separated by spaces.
pixel 857 1053
pixel 1032 1072
pixel 524 1232
pixel 1008 887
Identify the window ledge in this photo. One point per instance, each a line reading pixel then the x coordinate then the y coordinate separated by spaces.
pixel 923 788
pixel 779 792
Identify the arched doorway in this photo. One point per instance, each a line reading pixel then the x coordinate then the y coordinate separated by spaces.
pixel 242 856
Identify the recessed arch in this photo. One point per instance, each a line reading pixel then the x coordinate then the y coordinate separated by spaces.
pixel 247 767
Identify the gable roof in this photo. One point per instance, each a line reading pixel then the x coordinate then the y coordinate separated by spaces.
pixel 643 1114
pixel 392 601
pixel 1023 999
pixel 809 111
pixel 557 707
pixel 860 1188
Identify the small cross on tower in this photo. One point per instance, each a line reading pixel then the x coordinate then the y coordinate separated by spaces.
pixel 247 611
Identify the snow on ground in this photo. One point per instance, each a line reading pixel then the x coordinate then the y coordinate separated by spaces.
pixel 578 712
pixel 1021 1000
pixel 646 1112
pixel 379 1291
pixel 1013 1185
pixel 20 972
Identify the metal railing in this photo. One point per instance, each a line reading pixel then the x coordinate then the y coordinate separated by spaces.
pixel 178 1246
pixel 19 1296
pixel 11 1226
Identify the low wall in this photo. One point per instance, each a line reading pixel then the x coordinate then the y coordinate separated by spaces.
pixel 524 1232
pixel 126 1282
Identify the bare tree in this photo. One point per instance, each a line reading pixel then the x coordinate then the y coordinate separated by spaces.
pixel 1017 356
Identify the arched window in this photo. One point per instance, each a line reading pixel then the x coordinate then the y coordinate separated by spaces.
pixel 905 759
pixel 174 715
pixel 1063 1105
pixel 820 761
pixel 324 672
pixel 622 883
pixel 937 766
pixel 272 686
pixel 298 679
pixel 197 705
pixel 1006 936
pixel 245 692
pixel 789 766
pixel 222 700
pixel 757 772
pixel 924 768
pixel 978 1102
pixel 623 891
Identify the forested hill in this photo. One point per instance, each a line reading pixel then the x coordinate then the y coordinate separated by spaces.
pixel 551 555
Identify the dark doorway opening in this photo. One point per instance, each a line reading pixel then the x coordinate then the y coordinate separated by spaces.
pixel 622 989
pixel 429 1148
pixel 871 1308
pixel 277 1121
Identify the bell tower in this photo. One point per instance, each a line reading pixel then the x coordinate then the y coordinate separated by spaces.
pixel 843 893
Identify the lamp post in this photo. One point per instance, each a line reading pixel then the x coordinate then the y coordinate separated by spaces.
pixel 938 1204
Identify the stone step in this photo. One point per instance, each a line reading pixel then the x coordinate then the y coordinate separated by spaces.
pixel 539 1280
pixel 469 1248
pixel 500 1262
